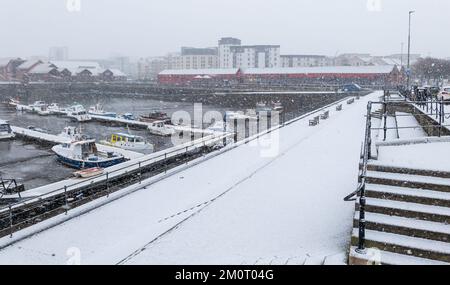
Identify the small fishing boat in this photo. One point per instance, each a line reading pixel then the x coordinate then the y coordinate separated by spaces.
pixel 156 117
pixel 231 115
pixel 72 134
pixel 13 103
pixel 128 142
pixel 277 107
pixel 55 109
pixel 89 172
pixel 159 128
pixel 5 131
pixel 97 110
pixel 78 113
pixel 39 107
pixel 262 107
pixel 84 154
pixel 219 126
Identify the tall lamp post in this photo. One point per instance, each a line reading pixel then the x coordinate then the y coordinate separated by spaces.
pixel 409 52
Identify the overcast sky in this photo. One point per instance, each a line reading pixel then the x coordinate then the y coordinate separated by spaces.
pixel 103 28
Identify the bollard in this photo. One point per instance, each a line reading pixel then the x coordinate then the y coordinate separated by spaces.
pixel 269 120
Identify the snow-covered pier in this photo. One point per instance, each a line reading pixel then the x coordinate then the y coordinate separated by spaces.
pixel 145 125
pixel 54 139
pixel 266 207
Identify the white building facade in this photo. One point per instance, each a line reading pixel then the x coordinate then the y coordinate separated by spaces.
pixel 304 60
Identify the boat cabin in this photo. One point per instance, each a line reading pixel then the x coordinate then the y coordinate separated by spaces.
pixel 120 137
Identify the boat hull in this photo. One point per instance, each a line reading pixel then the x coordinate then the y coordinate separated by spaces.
pixel 7 136
pixel 80 164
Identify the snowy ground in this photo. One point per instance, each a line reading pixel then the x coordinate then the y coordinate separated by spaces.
pixel 239 207
pixel 431 156
pixel 407 120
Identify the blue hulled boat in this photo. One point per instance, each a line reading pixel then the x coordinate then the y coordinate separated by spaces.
pixel 83 154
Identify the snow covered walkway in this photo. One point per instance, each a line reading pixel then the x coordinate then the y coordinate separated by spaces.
pixel 238 207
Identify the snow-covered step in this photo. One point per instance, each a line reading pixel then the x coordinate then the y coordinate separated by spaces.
pixel 405 194
pixel 412 246
pixel 390 258
pixel 408 180
pixel 378 166
pixel 406 226
pixel 406 209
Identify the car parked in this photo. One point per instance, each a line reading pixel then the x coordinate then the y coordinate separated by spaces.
pixel 444 94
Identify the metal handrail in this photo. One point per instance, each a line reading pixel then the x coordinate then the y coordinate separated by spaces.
pixel 366 155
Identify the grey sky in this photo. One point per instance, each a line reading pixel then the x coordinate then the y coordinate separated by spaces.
pixel 154 27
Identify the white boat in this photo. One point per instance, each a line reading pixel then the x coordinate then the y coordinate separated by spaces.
pixel 97 110
pixel 13 102
pixel 72 134
pixel 277 107
pixel 159 128
pixel 23 108
pixel 84 154
pixel 128 142
pixel 262 107
pixel 39 107
pixel 219 126
pixel 78 113
pixel 55 109
pixel 231 115
pixel 5 131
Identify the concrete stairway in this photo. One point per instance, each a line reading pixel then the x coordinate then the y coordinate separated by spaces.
pixel 407 217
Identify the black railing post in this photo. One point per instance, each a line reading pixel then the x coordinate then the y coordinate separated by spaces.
pixel 235 123
pixel 140 173
pixel 10 221
pixel 247 127
pixel 65 198
pixel 441 119
pixel 165 163
pixel 369 130
pixel 385 121
pixel 107 185
pixel 362 221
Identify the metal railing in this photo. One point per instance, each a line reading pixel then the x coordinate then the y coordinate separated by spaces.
pixel 431 107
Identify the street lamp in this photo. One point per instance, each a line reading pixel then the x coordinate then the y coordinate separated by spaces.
pixel 409 52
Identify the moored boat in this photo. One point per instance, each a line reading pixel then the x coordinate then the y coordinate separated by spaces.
pixel 97 110
pixel 72 134
pixel 84 154
pixel 156 117
pixel 159 128
pixel 5 131
pixel 128 142
pixel 39 107
pixel 89 172
pixel 55 109
pixel 78 113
